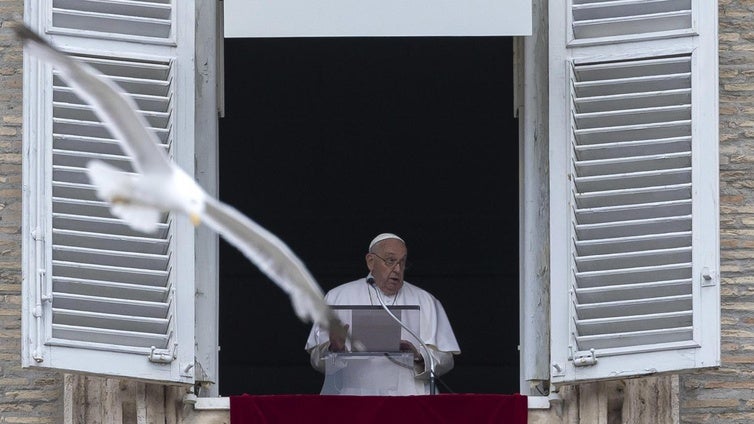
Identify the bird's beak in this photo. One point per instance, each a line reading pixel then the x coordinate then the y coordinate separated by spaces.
pixel 119 200
pixel 195 219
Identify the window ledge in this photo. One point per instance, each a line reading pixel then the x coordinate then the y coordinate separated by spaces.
pixel 212 404
pixel 538 402
pixel 223 403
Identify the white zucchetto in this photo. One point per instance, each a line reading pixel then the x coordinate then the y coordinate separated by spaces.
pixel 384 236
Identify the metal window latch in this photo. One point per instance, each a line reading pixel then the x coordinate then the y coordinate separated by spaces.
pixel 584 358
pixel 187 369
pixel 709 277
pixel 162 356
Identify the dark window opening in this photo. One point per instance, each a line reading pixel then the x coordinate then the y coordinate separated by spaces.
pixel 328 142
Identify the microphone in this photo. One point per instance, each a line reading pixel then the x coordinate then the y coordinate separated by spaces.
pixel 432 388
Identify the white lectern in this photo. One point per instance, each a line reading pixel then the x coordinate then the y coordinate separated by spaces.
pixel 365 373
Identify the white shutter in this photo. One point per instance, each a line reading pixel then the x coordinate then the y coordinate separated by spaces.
pixel 634 219
pixel 100 297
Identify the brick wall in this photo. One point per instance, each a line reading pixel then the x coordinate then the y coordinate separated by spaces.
pixel 25 396
pixel 726 395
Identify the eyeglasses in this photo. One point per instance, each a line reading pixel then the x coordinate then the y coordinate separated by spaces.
pixel 391 262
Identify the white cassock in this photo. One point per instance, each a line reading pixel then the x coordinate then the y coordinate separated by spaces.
pixel 434 330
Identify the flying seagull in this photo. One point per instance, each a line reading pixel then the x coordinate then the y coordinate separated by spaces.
pixel 158 185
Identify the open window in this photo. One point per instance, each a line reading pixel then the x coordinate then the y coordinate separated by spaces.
pixel 634 244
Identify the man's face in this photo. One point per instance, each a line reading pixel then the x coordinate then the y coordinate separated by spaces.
pixel 389 278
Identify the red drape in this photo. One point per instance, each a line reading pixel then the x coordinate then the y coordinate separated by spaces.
pixel 443 408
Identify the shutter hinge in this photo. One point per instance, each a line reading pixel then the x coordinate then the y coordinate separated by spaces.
pixel 162 356
pixel 37 234
pixel 186 369
pixel 201 376
pixel 584 358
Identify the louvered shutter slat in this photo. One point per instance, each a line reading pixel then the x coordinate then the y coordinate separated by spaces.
pixel 117 274
pixel 622 8
pixel 147 102
pixel 114 241
pixel 595 20
pixel 80 206
pixel 650 337
pixel 638 180
pixel 104 225
pixel 623 133
pixel 70 173
pixel 633 117
pixel 81 143
pixel 109 257
pixel 621 149
pixel 87 303
pixel 633 276
pixel 86 113
pixel 635 323
pixel 95 129
pixel 143 87
pixel 634 259
pixel 633 85
pixel 82 128
pixel 74 191
pixel 610 27
pixel 633 212
pixel 632 243
pixel 633 164
pixel 135 8
pixel 73 164
pixel 634 196
pixel 634 307
pixel 74 159
pixel 618 230
pixel 140 69
pixel 109 337
pixel 643 68
pixel 158 326
pixel 100 288
pixel 650 99
pixel 619 292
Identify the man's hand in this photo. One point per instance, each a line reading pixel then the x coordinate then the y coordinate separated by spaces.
pixel 338 341
pixel 407 346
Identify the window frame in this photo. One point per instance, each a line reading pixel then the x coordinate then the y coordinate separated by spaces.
pixel 534 262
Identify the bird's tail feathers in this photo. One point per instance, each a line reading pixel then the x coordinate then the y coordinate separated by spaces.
pixel 116 187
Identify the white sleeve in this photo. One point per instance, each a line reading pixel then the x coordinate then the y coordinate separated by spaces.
pixel 316 354
pixel 443 363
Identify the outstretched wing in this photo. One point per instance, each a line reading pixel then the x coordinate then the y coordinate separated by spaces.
pixel 116 109
pixel 274 259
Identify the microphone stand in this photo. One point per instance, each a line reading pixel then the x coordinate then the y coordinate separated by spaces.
pixel 432 387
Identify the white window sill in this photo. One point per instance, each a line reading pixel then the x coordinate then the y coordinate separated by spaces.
pixel 223 403
pixel 538 402
pixel 212 404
